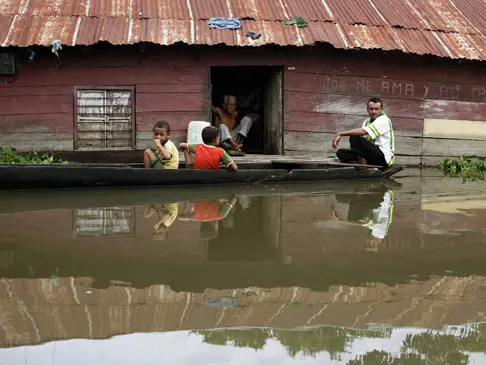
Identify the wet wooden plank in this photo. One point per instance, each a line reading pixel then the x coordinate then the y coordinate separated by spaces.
pixel 398 66
pixel 42 141
pixel 36 90
pixel 453 147
pixel 332 123
pixel 457 110
pixel 321 142
pixel 172 88
pixel 41 104
pixel 170 102
pixel 115 76
pixel 350 104
pixel 37 123
pixel 179 121
pixel 358 65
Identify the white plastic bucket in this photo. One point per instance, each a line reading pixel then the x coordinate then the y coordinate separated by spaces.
pixel 194 131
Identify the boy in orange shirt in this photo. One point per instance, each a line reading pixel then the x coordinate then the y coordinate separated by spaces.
pixel 208 156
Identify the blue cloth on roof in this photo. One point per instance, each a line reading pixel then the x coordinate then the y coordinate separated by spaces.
pixel 225 23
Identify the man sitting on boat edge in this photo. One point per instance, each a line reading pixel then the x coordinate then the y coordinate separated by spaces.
pixel 373 143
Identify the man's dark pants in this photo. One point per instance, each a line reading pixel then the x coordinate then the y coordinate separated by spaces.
pixel 361 147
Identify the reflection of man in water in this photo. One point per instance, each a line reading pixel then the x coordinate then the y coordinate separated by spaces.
pixel 166 215
pixel 372 210
pixel 379 221
pixel 209 213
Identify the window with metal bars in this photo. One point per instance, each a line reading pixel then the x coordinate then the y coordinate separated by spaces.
pixel 104 118
pixel 113 221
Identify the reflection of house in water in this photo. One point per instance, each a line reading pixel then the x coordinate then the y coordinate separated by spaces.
pixel 29 307
pixel 110 221
pixel 250 233
pixel 279 270
pixel 271 238
pixel 452 214
pixel 7 259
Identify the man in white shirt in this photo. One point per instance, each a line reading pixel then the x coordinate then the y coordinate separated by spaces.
pixel 373 143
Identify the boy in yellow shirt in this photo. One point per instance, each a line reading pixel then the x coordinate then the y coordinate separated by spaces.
pixel 165 154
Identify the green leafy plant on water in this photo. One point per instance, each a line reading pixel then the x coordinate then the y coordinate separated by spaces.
pixel 467 168
pixel 8 155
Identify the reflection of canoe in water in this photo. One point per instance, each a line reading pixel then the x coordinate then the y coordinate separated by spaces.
pixel 12 201
pixel 92 175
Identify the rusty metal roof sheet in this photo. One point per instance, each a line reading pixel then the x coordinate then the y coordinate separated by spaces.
pixel 446 28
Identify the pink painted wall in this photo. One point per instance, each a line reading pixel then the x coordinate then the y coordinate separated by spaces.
pixel 325 90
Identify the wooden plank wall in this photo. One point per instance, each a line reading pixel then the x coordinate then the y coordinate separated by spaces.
pixel 431 104
pixel 325 90
pixel 37 105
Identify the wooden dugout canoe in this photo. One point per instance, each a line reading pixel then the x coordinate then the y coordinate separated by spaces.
pixel 118 175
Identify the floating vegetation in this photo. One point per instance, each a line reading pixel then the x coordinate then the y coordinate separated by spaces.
pixel 8 155
pixel 467 168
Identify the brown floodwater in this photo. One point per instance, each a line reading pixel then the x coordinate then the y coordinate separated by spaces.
pixel 354 273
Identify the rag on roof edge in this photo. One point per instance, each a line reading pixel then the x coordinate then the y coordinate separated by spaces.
pixel 24 31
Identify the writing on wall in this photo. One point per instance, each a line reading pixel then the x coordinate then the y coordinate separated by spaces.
pixel 402 88
pixel 479 93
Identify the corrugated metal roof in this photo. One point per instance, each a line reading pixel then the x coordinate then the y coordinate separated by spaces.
pixel 447 28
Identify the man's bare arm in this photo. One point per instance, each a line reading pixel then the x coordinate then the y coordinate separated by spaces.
pixel 352 132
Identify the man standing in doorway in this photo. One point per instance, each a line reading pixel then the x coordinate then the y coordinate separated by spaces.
pixel 373 143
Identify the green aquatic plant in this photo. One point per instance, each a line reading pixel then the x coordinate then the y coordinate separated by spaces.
pixel 426 348
pixel 437 348
pixel 309 342
pixel 9 155
pixel 376 357
pixel 467 168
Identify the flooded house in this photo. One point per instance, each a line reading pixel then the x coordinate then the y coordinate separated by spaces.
pixel 89 79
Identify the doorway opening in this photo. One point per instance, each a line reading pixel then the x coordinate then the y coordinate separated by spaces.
pixel 259 94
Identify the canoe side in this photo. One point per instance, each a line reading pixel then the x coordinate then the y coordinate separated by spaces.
pixel 65 176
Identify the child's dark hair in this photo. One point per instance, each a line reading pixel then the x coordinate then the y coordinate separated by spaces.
pixel 162 124
pixel 209 134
